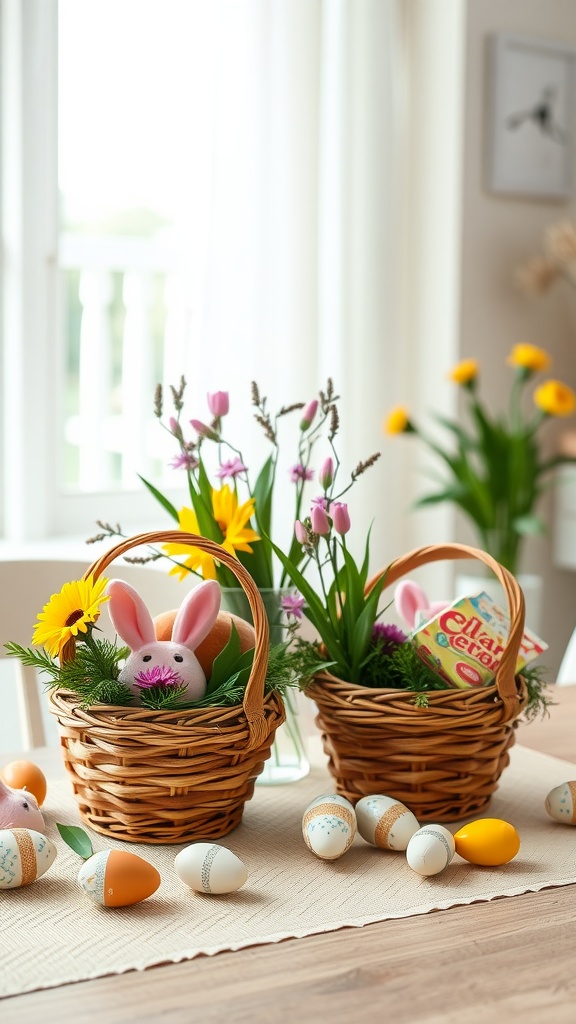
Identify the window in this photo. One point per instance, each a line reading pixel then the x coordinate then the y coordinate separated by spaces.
pixel 206 187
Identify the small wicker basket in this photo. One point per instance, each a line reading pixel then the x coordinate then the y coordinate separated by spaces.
pixel 170 776
pixel 443 761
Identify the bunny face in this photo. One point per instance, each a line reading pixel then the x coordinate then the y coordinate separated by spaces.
pixel 19 809
pixel 164 662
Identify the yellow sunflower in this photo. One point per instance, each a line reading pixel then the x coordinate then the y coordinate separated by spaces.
pixel 555 398
pixel 529 357
pixel 236 535
pixel 68 613
pixel 397 421
pixel 464 372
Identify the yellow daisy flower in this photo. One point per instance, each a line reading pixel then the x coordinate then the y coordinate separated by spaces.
pixel 397 421
pixel 529 357
pixel 555 398
pixel 236 535
pixel 68 613
pixel 464 372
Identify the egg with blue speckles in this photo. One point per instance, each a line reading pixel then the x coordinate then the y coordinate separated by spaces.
pixel 329 826
pixel 117 878
pixel 25 855
pixel 385 822
pixel 560 803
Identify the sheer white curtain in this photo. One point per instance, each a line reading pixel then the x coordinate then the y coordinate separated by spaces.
pixel 288 240
pixel 308 223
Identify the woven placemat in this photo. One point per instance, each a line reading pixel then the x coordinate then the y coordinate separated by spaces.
pixel 53 934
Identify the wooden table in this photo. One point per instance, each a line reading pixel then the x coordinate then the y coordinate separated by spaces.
pixel 508 960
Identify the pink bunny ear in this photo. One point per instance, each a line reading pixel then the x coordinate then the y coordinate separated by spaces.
pixel 408 599
pixel 197 614
pixel 130 616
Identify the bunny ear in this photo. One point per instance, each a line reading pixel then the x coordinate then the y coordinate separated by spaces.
pixel 197 614
pixel 408 598
pixel 130 616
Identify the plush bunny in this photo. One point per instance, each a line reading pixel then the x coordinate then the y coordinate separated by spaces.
pixel 164 662
pixel 19 809
pixel 413 605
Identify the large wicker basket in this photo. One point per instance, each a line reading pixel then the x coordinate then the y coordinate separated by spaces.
pixel 443 761
pixel 170 776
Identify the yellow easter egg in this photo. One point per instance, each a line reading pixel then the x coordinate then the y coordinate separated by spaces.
pixel 488 842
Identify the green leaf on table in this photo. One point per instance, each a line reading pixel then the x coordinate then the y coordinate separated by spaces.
pixel 77 839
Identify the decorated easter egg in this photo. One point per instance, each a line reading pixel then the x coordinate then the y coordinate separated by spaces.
pixel 329 826
pixel 117 878
pixel 385 822
pixel 25 775
pixel 216 640
pixel 561 803
pixel 25 855
pixel 487 841
pixel 430 850
pixel 207 867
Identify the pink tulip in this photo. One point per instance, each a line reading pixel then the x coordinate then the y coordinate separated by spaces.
pixel 320 521
pixel 175 427
pixel 218 403
pixel 300 532
pixel 340 517
pixel 309 414
pixel 326 475
pixel 204 430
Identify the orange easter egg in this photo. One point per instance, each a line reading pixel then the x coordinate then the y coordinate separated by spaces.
pixel 216 640
pixel 25 775
pixel 117 878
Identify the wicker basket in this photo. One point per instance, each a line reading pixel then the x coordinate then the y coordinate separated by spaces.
pixel 170 776
pixel 443 761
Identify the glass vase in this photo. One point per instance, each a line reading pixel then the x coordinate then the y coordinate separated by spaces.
pixel 288 761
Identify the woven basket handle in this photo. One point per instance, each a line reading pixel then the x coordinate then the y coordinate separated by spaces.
pixel 253 702
pixel 512 691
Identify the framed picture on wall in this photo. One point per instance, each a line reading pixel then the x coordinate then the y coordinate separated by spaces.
pixel 532 117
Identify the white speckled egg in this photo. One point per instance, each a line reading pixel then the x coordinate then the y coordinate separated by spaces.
pixel 561 803
pixel 385 822
pixel 25 855
pixel 329 826
pixel 208 867
pixel 430 850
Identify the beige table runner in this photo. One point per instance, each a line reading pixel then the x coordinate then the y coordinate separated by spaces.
pixel 53 934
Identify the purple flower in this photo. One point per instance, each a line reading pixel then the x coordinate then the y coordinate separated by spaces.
pixel 186 460
pixel 320 521
pixel 158 675
pixel 218 403
pixel 300 532
pixel 309 414
pixel 326 474
pixel 232 468
pixel 340 517
pixel 387 636
pixel 293 604
pixel 321 501
pixel 299 472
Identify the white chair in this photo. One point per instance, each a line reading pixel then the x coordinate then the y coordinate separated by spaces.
pixel 25 587
pixel 567 671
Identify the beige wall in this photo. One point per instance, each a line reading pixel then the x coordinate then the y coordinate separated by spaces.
pixel 498 233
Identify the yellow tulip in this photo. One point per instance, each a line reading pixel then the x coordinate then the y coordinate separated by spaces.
pixel 555 398
pixel 397 420
pixel 464 372
pixel 529 357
